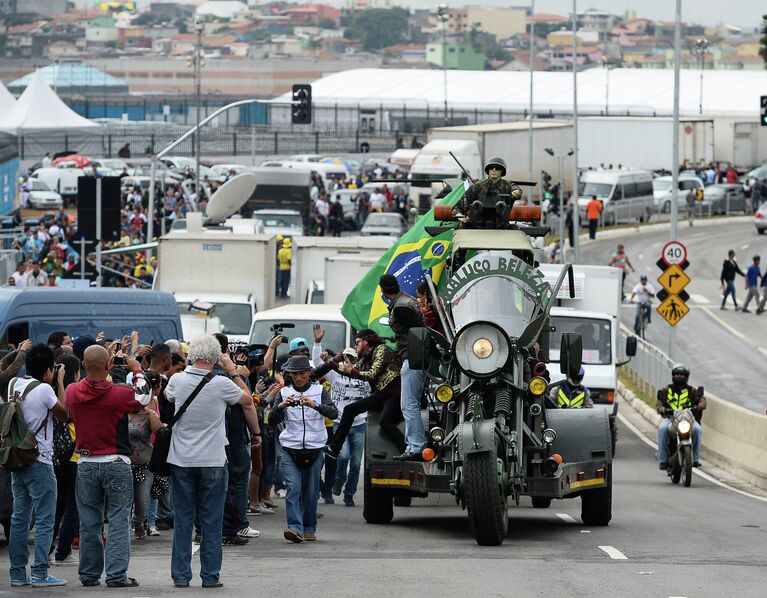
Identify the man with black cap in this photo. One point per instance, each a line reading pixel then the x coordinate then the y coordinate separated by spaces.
pixel 303 407
pixel 405 314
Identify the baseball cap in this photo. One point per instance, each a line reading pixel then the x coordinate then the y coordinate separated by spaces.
pixel 297 343
pixel 349 352
pixel 643 277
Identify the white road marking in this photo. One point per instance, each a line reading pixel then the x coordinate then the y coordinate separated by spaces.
pixel 735 332
pixel 654 245
pixel 614 553
pixel 654 445
pixel 700 299
pixel 566 518
pixel 641 256
pixel 744 246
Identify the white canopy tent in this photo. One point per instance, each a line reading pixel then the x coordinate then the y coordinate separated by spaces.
pixel 39 108
pixel 7 101
pixel 638 92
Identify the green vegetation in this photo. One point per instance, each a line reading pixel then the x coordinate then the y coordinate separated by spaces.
pixel 378 28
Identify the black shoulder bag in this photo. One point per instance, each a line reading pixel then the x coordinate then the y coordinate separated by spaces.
pixel 158 464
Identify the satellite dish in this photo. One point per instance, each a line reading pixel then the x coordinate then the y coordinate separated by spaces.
pixel 230 197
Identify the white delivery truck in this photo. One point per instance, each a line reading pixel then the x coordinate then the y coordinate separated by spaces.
pixel 342 273
pixel 235 272
pixel 434 164
pixel 309 255
pixel 295 321
pixel 594 313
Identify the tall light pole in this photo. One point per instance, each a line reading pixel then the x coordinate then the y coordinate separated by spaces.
pixel 606 64
pixel 576 207
pixel 530 108
pixel 675 144
pixel 561 184
pixel 700 48
pixel 443 15
pixel 199 27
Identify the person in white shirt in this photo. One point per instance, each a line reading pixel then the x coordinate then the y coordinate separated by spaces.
pixel 34 487
pixel 37 278
pixel 644 293
pixel 47 160
pixel 21 275
pixel 377 201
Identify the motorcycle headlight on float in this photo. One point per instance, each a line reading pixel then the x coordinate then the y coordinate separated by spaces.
pixel 481 349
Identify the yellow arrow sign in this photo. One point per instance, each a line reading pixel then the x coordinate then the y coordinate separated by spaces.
pixel 673 309
pixel 674 280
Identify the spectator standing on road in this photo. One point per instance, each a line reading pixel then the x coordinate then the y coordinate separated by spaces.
pixel 377 201
pixel 198 458
pixel 303 407
pixel 569 223
pixel 34 487
pixel 284 257
pixel 99 411
pixel 753 277
pixel 730 268
pixel 621 260
pixel 593 211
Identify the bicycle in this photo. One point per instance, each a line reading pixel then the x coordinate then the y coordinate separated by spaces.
pixel 642 319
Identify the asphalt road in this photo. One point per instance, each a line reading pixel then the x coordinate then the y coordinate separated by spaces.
pixel 726 350
pixel 703 541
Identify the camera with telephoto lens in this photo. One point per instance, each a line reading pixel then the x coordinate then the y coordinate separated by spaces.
pixel 248 355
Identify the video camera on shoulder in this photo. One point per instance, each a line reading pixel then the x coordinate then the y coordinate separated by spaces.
pixel 248 355
pixel 277 329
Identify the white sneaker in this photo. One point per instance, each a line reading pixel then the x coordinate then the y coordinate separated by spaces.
pixel 249 532
pixel 153 531
pixel 265 510
pixel 70 561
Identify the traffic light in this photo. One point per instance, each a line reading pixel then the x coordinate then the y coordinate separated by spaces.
pixel 546 177
pixel 301 113
pixel 763 113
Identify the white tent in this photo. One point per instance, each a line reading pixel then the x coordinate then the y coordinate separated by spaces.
pixel 7 101
pixel 40 108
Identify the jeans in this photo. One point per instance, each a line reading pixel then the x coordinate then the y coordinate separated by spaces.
pixel 197 490
pixel 34 489
pixel 238 463
pixel 165 506
pixel 753 292
pixel 269 440
pixel 67 517
pixel 151 513
pixel 593 223
pixel 284 278
pixel 303 484
pixel 729 289
pixel 412 385
pixel 666 425
pixel 104 488
pixel 141 498
pixel 326 483
pixel 351 457
pixel 646 307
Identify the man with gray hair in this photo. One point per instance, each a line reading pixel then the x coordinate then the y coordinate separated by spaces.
pixel 198 458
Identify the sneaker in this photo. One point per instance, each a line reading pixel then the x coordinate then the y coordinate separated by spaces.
pixel 262 508
pixel 337 488
pixel 663 466
pixel 281 493
pixel 18 583
pixel 292 535
pixel 254 511
pixel 723 308
pixel 697 464
pixel 328 499
pixel 49 581
pixel 153 531
pixel 164 524
pixel 746 311
pixel 349 501
pixel 67 561
pixel 310 536
pixel 234 541
pixel 249 532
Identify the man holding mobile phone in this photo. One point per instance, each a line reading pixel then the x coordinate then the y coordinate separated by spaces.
pixel 644 292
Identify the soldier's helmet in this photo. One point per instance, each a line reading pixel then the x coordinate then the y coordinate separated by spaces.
pixel 496 161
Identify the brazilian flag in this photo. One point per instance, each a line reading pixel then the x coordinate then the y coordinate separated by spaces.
pixel 417 253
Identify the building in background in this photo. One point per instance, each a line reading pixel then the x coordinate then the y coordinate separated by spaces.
pixel 462 57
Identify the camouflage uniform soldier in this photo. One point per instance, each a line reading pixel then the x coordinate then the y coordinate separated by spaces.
pixel 488 193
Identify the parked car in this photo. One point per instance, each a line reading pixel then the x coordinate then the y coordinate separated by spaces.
pixel 760 219
pixel 661 190
pixel 723 199
pixel 386 223
pixel 42 197
pixel 758 172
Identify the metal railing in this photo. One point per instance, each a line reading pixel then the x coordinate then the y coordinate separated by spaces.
pixel 650 368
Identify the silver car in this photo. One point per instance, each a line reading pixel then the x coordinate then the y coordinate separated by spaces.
pixel 723 199
pixel 387 223
pixel 760 219
pixel 41 196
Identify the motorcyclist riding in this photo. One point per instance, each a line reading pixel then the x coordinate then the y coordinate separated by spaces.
pixel 572 394
pixel 679 395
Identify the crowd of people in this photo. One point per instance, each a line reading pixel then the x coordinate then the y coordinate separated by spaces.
pixel 248 426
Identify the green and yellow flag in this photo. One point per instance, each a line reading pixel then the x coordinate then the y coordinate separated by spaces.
pixel 414 255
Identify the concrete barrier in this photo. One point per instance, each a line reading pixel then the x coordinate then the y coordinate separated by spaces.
pixel 734 438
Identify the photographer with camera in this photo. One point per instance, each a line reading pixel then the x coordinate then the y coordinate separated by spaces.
pixel 303 407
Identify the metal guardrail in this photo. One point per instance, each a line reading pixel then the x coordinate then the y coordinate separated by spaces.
pixel 650 368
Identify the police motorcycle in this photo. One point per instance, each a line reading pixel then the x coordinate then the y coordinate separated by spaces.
pixel 492 437
pixel 679 446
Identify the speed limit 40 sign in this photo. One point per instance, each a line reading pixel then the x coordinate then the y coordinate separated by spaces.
pixel 673 253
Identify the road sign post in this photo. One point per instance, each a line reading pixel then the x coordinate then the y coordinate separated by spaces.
pixel 673 279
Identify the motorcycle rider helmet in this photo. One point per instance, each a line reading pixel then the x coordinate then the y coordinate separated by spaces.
pixel 496 161
pixel 575 381
pixel 680 373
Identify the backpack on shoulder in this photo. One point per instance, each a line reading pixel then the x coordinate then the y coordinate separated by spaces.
pixel 18 445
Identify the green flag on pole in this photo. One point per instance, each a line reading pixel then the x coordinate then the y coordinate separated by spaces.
pixel 414 255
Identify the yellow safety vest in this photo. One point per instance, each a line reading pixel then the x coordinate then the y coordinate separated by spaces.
pixel 678 401
pixel 575 402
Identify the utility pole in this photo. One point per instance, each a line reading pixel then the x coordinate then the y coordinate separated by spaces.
pixel 443 15
pixel 700 47
pixel 530 107
pixel 199 27
pixel 576 207
pixel 561 183
pixel 675 147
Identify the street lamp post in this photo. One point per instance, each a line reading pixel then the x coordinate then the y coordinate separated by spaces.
pixel 530 109
pixel 576 208
pixel 199 27
pixel 700 48
pixel 561 183
pixel 606 64
pixel 444 16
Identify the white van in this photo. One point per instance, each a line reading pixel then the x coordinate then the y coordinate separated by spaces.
pixel 61 180
pixel 339 334
pixel 626 195
pixel 328 171
pixel 435 163
pixel 404 158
